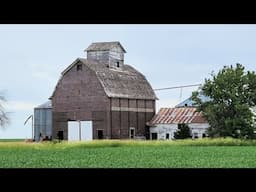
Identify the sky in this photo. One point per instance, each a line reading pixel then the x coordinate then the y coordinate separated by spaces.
pixel 33 57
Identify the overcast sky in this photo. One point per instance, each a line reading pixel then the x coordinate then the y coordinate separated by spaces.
pixel 33 56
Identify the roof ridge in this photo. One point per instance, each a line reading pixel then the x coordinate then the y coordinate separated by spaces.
pixel 106 42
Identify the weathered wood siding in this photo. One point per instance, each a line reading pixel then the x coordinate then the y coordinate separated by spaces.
pixel 110 57
pixel 130 113
pixel 80 98
pixel 116 54
pixel 102 56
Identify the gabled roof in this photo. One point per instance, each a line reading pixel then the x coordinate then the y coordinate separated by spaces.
pixel 104 46
pixel 178 115
pixel 125 82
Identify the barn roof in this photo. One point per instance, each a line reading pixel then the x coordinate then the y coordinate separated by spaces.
pixel 46 105
pixel 177 115
pixel 126 82
pixel 104 46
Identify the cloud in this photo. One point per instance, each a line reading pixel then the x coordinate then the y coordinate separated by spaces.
pixel 45 76
pixel 18 106
pixel 42 75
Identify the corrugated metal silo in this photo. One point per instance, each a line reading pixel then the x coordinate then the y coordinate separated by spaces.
pixel 43 121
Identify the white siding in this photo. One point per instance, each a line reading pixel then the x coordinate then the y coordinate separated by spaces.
pixel 163 129
pixel 198 129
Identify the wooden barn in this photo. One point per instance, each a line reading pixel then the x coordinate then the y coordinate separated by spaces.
pixel 113 98
pixel 165 123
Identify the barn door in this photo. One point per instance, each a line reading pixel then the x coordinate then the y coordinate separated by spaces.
pixel 73 131
pixel 86 127
pixel 79 130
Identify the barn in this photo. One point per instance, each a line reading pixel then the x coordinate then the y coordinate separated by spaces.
pixel 108 97
pixel 165 123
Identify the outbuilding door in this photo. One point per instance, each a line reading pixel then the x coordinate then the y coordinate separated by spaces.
pixel 154 136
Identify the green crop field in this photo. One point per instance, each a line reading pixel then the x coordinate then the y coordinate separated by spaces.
pixel 11 140
pixel 201 153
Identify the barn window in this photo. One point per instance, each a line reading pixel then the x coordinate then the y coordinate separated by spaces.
pixel 60 135
pixel 100 134
pixel 167 136
pixel 117 64
pixel 79 67
pixel 132 132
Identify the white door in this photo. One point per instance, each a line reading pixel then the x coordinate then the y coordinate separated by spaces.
pixel 86 129
pixel 73 131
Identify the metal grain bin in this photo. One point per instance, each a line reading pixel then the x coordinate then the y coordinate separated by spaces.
pixel 43 121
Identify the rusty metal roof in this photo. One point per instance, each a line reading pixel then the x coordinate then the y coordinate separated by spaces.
pixel 178 115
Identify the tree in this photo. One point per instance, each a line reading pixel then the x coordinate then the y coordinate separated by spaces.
pixel 3 116
pixel 232 93
pixel 183 132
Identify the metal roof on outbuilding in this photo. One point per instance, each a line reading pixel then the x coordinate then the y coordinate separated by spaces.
pixel 178 115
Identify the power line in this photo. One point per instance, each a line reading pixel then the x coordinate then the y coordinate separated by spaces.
pixel 176 87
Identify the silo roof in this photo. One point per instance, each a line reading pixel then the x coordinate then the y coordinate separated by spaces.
pixel 47 104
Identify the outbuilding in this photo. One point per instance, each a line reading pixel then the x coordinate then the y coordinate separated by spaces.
pixel 165 123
